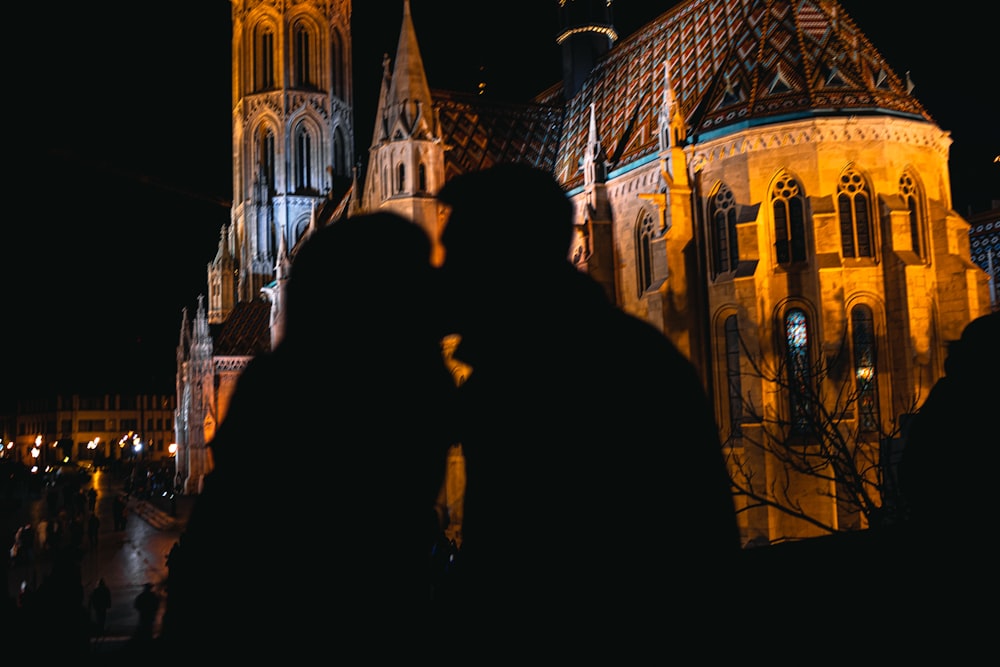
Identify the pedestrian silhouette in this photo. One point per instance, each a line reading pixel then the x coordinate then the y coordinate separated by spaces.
pixel 119 510
pixel 347 419
pixel 147 603
pixel 595 473
pixel 100 602
pixel 93 529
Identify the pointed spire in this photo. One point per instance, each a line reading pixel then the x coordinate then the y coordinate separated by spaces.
pixel 355 206
pixel 909 83
pixel 222 253
pixel 593 156
pixel 184 326
pixel 594 162
pixel 381 112
pixel 669 115
pixel 283 245
pixel 201 320
pixel 409 97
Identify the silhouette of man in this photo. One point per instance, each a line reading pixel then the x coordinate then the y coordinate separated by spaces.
pixel 100 602
pixel 352 408
pixel 147 603
pixel 595 472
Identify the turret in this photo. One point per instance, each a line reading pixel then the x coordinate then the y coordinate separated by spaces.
pixel 586 32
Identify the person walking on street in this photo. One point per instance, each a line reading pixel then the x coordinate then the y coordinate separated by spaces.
pixel 100 603
pixel 147 603
pixel 120 510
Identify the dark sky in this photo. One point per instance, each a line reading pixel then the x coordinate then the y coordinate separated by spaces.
pixel 122 144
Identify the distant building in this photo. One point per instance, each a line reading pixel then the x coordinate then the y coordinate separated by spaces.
pixel 99 428
pixel 750 177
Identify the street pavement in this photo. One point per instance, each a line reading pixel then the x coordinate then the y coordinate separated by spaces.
pixel 126 559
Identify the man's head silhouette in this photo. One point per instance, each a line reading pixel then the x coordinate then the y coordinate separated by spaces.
pixel 343 273
pixel 507 218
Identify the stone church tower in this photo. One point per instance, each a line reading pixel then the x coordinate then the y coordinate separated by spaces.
pixel 293 135
pixel 293 149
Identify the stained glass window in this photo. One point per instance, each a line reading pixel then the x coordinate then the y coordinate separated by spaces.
pixel 800 394
pixel 865 370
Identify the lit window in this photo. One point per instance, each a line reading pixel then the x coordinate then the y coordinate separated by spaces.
pixel 799 391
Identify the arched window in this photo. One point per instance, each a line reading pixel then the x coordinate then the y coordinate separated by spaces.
pixel 303 159
pixel 734 384
pixel 644 232
pixel 266 150
pixel 865 369
pixel 263 61
pixel 341 163
pixel 799 373
pixel 913 196
pixel 400 177
pixel 421 177
pixel 722 212
pixel 788 208
pixel 303 57
pixel 854 205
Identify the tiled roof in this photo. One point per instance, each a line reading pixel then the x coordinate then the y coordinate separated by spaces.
pixel 732 64
pixel 478 132
pixel 246 332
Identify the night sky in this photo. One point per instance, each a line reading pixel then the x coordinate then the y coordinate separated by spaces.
pixel 120 119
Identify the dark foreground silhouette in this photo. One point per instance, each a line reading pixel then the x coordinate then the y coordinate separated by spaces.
pixel 597 503
pixel 338 439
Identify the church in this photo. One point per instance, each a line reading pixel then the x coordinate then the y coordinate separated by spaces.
pixel 749 176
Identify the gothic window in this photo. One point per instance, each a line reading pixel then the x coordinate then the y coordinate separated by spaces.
pixel 788 208
pixel 385 182
pixel 865 370
pixel 337 67
pixel 303 160
pixel 266 149
pixel 341 161
pixel 722 213
pixel 422 177
pixel 799 374
pixel 854 205
pixel 913 196
pixel 644 232
pixel 400 177
pixel 734 385
pixel 303 59
pixel 263 61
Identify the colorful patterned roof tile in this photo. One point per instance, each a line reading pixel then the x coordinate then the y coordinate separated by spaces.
pixel 478 133
pixel 732 63
pixel 246 332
